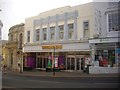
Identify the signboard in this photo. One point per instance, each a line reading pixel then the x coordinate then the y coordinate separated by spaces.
pixel 103 40
pixel 52 47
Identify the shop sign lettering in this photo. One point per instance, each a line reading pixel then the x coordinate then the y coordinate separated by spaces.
pixel 52 47
pixel 104 40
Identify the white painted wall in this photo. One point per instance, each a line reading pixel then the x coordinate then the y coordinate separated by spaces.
pixel 100 18
pixel 103 70
pixel 85 12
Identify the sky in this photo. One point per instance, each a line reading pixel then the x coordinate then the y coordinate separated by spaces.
pixel 15 11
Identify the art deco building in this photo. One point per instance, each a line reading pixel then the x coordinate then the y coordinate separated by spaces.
pixel 75 36
pixel 67 29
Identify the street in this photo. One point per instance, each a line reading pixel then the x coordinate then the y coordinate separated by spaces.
pixel 17 81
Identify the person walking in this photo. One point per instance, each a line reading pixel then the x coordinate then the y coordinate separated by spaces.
pixel 19 68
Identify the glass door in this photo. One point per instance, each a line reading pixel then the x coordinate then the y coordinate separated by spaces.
pixel 70 63
pixel 78 64
pixel 39 62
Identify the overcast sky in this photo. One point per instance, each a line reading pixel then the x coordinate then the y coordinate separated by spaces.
pixel 15 11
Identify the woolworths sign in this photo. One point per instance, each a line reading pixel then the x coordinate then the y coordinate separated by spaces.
pixel 52 47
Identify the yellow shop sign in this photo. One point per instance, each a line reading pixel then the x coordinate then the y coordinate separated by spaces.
pixel 52 47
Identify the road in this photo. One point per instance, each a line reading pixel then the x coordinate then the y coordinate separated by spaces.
pixel 17 81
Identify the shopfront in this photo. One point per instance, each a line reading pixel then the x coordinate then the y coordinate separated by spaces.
pixel 77 60
pixel 67 56
pixel 29 60
pixel 105 51
pixel 44 58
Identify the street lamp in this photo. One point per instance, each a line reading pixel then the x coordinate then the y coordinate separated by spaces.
pixel 54 61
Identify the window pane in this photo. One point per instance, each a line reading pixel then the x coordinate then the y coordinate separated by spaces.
pixel 44 33
pixel 70 30
pixel 28 36
pixel 37 34
pixel 52 33
pixel 70 26
pixel 61 31
pixel 113 21
pixel 85 25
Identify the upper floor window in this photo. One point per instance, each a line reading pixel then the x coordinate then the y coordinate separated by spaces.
pixel 52 33
pixel 86 29
pixel 113 22
pixel 70 30
pixel 37 34
pixel 20 41
pixel 61 31
pixel 85 25
pixel 11 38
pixel 44 34
pixel 28 36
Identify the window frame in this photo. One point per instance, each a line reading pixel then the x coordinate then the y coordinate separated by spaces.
pixel 84 27
pixel 61 32
pixel 110 21
pixel 52 33
pixel 44 34
pixel 28 36
pixel 37 34
pixel 70 31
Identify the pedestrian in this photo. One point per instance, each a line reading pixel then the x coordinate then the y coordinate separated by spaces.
pixel 19 68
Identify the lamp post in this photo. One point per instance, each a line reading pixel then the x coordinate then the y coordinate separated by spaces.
pixel 54 61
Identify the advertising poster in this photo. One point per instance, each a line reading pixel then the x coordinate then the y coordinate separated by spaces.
pixel 56 62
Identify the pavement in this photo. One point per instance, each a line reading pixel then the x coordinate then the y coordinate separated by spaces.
pixel 63 74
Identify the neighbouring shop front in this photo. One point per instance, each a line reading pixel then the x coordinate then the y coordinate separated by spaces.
pixel 106 53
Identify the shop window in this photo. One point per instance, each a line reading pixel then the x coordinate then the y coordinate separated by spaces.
pixel 111 57
pixel 105 57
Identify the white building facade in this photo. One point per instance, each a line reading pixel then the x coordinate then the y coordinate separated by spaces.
pixel 69 30
pixel 105 47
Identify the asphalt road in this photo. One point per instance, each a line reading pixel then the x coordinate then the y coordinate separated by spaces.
pixel 17 81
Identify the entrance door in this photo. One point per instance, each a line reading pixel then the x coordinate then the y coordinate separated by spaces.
pixel 45 61
pixel 75 63
pixel 70 63
pixel 78 63
pixel 39 62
